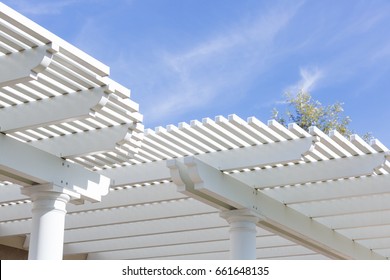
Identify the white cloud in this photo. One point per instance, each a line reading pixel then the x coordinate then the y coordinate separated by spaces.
pixel 309 80
pixel 215 70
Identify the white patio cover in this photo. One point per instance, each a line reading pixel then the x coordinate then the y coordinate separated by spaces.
pixel 317 196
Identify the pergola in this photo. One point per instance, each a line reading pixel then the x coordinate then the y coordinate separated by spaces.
pixel 215 189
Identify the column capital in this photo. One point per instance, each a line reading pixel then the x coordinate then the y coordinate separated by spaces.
pixel 33 191
pixel 242 233
pixel 241 215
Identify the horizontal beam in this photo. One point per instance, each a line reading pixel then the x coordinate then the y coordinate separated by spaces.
pixel 175 237
pixel 231 159
pixel 24 66
pixel 186 186
pixel 138 173
pixel 312 171
pixel 148 241
pixel 348 188
pixel 85 143
pixel 33 166
pixel 259 155
pixel 356 220
pixel 276 216
pixel 114 199
pixel 370 203
pixel 120 215
pixel 146 227
pixel 163 251
pixel 218 249
pixel 72 106
pixel 11 193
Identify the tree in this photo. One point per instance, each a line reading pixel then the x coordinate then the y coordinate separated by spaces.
pixel 308 112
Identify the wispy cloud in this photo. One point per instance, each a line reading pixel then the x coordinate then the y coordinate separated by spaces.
pixel 308 81
pixel 215 69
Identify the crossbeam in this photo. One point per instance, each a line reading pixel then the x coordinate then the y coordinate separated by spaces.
pixel 24 66
pixel 313 171
pixel 260 155
pixel 89 142
pixel 31 166
pixel 63 108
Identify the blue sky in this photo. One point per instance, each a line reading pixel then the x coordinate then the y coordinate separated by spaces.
pixel 190 59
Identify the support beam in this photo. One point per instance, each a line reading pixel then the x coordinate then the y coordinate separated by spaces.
pixel 138 173
pixel 148 241
pixel 63 108
pixel 186 186
pixel 322 191
pixel 278 218
pixel 260 155
pixel 286 151
pixel 43 168
pixel 119 215
pixel 24 66
pixel 312 172
pixel 114 199
pixel 89 142
pixel 226 160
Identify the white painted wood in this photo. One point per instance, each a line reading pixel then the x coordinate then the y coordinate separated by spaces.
pixel 228 124
pixel 277 217
pixel 242 233
pixel 312 172
pixel 280 129
pixel 32 29
pixel 116 198
pixel 156 241
pixel 375 243
pixel 49 169
pixel 140 212
pixel 361 144
pixel 341 183
pixel 329 143
pixel 356 220
pixel 24 66
pixel 149 227
pixel 89 142
pixel 258 156
pixel 360 234
pixel 48 217
pixel 11 193
pixel 334 189
pixel 54 110
pixel 344 206
pixel 344 143
pixel 120 215
pixel 378 146
pixel 206 249
pixel 138 173
pixel 227 135
pixel 265 130
pixel 243 126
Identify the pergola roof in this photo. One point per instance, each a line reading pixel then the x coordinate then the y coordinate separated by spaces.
pixel 317 196
pixel 60 100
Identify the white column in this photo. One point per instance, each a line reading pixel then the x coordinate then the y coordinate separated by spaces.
pixel 48 223
pixel 242 233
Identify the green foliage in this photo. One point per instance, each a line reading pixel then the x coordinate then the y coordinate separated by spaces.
pixel 307 112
